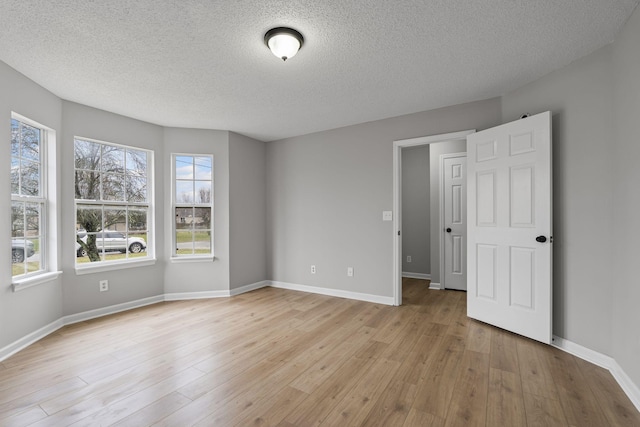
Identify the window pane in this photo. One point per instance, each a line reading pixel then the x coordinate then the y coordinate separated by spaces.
pixel 202 244
pixel 18 256
pixel 17 219
pixel 33 255
pixel 89 219
pixel 184 218
pixel 94 242
pixel 202 218
pixel 113 187
pixel 184 167
pixel 15 138
pixel 184 242
pixel 32 215
pixel 203 168
pixel 15 176
pixel 136 162
pixel 25 256
pixel 137 245
pixel 203 191
pixel 87 185
pixel 112 159
pixel 30 144
pixel 115 218
pixel 137 220
pixel 184 192
pixel 30 185
pixel 87 155
pixel 136 188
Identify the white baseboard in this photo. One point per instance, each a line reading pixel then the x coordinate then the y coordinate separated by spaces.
pixel 410 275
pixel 584 353
pixel 249 288
pixel 604 361
pixel 112 309
pixel 333 292
pixel 630 389
pixel 180 296
pixel 436 286
pixel 27 340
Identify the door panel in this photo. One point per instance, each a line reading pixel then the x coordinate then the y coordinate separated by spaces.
pixel 486 271
pixel 521 281
pixel 509 205
pixel 522 196
pixel 455 213
pixel 486 190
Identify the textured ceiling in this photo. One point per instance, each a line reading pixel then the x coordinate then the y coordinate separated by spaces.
pixel 203 64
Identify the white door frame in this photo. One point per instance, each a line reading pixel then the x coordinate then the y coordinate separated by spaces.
pixel 441 190
pixel 397 199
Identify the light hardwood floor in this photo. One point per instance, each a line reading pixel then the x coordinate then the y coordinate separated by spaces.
pixel 278 357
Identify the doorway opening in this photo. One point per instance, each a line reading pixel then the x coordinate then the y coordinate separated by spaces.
pixel 436 264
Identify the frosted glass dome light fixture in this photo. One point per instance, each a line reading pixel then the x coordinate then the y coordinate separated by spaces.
pixel 284 42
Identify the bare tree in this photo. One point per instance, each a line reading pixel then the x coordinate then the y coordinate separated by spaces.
pixel 205 195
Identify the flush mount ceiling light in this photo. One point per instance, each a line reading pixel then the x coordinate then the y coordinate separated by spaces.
pixel 283 42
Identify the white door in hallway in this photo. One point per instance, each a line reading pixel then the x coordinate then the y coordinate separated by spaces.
pixel 455 224
pixel 510 227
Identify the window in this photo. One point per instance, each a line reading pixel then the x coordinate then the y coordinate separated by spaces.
pixel 112 202
pixel 28 198
pixel 193 205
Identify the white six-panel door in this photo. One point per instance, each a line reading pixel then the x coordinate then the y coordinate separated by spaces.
pixel 455 224
pixel 509 227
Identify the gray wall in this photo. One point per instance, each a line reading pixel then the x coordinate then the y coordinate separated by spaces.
pixel 23 312
pixel 625 176
pixel 435 150
pixel 81 292
pixel 247 210
pixel 326 193
pixel 416 217
pixel 580 99
pixel 199 276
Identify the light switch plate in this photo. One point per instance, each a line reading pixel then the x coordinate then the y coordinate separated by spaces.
pixel 387 215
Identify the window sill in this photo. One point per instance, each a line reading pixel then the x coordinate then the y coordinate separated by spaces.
pixel 89 269
pixel 184 259
pixel 41 279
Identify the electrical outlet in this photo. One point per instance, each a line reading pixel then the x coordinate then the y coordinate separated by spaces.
pixel 104 285
pixel 350 271
pixel 313 269
pixel 408 258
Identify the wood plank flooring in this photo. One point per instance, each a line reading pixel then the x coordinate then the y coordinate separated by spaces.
pixel 274 357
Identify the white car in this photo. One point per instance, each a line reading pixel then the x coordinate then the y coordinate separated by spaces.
pixel 113 241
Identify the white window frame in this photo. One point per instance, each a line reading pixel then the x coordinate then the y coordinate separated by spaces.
pixel 107 265
pixel 175 257
pixel 48 217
